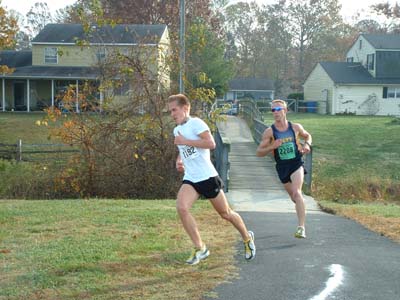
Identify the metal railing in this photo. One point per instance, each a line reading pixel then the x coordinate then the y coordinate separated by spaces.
pixel 250 111
pixel 221 156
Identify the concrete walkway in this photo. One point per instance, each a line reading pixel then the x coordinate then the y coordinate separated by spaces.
pixel 253 181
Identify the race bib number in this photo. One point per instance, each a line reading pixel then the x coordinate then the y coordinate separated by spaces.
pixel 286 151
pixel 189 152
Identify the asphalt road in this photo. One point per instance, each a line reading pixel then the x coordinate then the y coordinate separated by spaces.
pixel 339 259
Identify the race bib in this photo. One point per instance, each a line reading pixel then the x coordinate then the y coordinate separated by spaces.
pixel 189 152
pixel 286 151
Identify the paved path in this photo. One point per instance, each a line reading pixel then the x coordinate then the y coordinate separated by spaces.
pixel 339 260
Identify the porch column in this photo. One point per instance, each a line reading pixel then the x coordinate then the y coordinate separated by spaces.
pixel 52 93
pixel 77 96
pixel 3 83
pixel 28 98
pixel 101 100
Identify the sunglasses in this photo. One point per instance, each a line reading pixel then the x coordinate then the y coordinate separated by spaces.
pixel 279 108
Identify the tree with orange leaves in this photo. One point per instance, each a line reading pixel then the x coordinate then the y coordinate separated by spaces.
pixel 8 30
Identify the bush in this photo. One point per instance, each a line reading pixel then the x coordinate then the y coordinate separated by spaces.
pixel 297 96
pixel 25 180
pixel 123 155
pixel 137 163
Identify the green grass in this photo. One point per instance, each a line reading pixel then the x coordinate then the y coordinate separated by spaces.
pixel 15 126
pixel 104 249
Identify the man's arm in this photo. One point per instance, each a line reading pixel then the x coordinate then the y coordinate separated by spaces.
pixel 267 144
pixel 306 137
pixel 206 140
pixel 179 164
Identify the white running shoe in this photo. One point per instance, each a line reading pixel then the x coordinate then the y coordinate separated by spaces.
pixel 250 247
pixel 198 255
pixel 300 232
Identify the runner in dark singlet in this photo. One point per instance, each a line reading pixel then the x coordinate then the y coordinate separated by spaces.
pixel 287 156
pixel 282 139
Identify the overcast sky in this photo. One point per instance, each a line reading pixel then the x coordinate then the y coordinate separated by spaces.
pixel 23 6
pixel 349 7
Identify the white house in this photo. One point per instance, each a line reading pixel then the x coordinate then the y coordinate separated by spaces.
pixel 250 88
pixel 368 83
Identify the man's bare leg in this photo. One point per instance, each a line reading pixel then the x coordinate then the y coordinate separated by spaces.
pixel 220 204
pixel 187 195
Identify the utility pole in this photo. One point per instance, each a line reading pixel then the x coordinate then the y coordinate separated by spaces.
pixel 182 46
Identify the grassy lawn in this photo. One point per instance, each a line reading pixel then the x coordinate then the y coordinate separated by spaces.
pixel 15 126
pixel 108 249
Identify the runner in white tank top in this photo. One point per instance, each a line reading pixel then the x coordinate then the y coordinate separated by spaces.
pixel 194 141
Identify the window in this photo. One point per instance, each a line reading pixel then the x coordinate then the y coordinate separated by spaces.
pixel 50 55
pixel 391 92
pixel 350 59
pixel 370 61
pixel 360 44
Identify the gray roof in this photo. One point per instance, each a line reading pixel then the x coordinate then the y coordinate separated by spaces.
pixel 251 84
pixel 353 73
pixel 14 59
pixel 118 34
pixel 43 72
pixel 383 41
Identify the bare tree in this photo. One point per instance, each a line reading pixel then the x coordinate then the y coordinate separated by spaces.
pixel 310 21
pixel 392 13
pixel 240 22
pixel 38 16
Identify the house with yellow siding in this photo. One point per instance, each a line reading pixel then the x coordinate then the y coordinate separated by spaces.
pixel 65 55
pixel 367 83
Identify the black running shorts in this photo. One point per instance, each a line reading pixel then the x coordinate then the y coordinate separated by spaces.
pixel 286 170
pixel 208 188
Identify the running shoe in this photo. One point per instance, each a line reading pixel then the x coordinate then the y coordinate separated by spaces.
pixel 250 247
pixel 300 232
pixel 198 255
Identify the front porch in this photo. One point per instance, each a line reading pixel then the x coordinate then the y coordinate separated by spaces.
pixel 43 93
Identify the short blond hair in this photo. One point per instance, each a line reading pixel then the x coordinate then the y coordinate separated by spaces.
pixel 180 99
pixel 279 101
